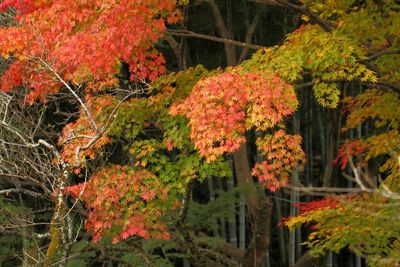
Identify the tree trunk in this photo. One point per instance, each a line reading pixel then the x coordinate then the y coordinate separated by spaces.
pixel 293 242
pixel 242 223
pixel 331 153
pixel 211 191
pixel 222 221
pixel 232 221
pixel 260 208
pixel 281 233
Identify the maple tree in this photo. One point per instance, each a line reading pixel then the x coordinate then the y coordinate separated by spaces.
pixel 139 138
pixel 81 46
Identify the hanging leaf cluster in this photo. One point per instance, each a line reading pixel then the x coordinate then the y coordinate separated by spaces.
pixel 223 107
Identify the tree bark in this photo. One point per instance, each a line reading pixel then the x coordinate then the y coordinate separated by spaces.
pixel 230 183
pixel 259 206
pixel 332 139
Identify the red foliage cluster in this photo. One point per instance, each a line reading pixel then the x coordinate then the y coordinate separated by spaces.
pixel 348 149
pixel 23 6
pixel 12 76
pixel 327 202
pixel 81 132
pixel 83 41
pixel 369 97
pixel 122 203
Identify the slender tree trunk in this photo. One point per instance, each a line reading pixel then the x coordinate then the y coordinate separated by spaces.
pixel 358 261
pixel 232 222
pixel 331 153
pixel 307 136
pixel 266 261
pixel 294 198
pixel 281 233
pixel 211 191
pixel 295 236
pixel 242 223
pixel 222 221
pixel 329 260
pixel 321 128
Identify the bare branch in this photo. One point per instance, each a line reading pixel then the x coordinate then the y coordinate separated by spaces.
pixel 222 29
pixel 85 108
pixel 356 173
pixel 212 38
pixel 23 191
pixel 249 35
pixel 383 52
pixel 324 24
pixel 378 84
pixel 311 189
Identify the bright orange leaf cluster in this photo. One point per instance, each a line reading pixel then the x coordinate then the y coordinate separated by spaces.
pixel 122 202
pixel 216 110
pixel 282 152
pixel 221 108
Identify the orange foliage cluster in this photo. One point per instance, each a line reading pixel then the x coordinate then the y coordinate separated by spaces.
pixel 216 110
pixel 122 203
pixel 282 152
pixel 221 108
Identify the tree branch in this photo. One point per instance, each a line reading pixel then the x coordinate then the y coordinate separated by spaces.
pixel 222 29
pixel 23 191
pixel 191 34
pixel 85 108
pixel 249 35
pixel 310 189
pixel 325 25
pixel 228 249
pixel 383 52
pixel 378 84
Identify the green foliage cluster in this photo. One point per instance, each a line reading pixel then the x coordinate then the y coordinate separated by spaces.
pixel 158 141
pixel 364 223
pixel 326 57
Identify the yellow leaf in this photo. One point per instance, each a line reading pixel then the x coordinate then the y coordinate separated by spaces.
pixel 305 18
